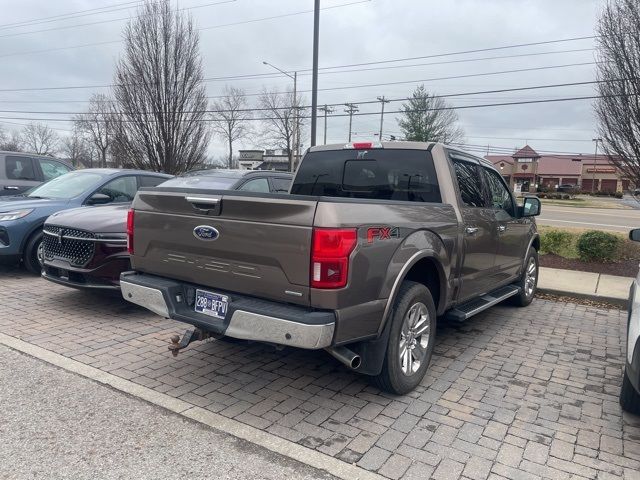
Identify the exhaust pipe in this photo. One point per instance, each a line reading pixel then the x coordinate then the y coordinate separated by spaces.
pixel 346 356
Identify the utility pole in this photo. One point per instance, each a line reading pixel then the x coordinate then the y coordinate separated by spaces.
pixel 383 101
pixel 351 109
pixel 314 76
pixel 595 166
pixel 326 109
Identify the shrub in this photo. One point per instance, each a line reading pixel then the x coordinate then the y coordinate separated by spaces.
pixel 594 245
pixel 542 195
pixel 618 195
pixel 555 241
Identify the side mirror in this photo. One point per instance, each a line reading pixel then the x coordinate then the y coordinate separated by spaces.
pixel 531 207
pixel 99 199
pixel 635 235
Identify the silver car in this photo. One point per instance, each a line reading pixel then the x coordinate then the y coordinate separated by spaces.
pixel 630 393
pixel 20 172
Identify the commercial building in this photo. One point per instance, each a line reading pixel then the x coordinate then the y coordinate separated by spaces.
pixel 263 160
pixel 527 171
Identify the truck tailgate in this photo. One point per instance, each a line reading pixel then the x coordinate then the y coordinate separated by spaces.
pixel 262 248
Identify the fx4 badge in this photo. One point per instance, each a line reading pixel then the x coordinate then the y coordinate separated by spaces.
pixel 382 233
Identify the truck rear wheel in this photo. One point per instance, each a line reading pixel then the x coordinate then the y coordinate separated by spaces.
pixel 629 398
pixel 411 340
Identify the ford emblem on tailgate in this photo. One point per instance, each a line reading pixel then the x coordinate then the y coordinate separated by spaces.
pixel 206 233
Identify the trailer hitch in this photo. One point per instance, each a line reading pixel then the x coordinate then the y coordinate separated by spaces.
pixel 191 335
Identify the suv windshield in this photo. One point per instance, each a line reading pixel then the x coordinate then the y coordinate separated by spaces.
pixel 388 174
pixel 68 185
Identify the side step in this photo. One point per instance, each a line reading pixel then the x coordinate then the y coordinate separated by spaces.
pixel 468 309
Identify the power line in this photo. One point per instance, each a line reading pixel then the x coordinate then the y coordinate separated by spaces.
pixel 99 22
pixel 65 16
pixel 348 87
pixel 462 107
pixel 362 102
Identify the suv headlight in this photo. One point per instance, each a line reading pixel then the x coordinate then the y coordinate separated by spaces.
pixel 15 214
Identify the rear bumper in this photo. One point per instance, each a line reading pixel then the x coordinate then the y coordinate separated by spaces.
pixel 247 317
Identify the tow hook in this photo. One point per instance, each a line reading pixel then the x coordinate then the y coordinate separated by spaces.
pixel 189 336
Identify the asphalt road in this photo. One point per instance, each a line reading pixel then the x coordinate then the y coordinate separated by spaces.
pixel 57 425
pixel 590 218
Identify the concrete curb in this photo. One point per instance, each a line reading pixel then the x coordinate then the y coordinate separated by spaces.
pixel 619 302
pixel 271 442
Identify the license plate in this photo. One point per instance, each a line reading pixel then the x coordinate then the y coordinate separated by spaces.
pixel 212 304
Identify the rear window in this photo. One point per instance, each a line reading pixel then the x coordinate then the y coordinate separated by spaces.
pixel 387 174
pixel 202 181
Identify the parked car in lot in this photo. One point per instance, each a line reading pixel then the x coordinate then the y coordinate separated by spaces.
pixel 567 188
pixel 630 393
pixel 22 216
pixel 20 172
pixel 100 232
pixel 375 241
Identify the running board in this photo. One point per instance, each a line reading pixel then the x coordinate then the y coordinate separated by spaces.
pixel 468 309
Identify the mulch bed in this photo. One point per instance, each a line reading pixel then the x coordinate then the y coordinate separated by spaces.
pixel 622 268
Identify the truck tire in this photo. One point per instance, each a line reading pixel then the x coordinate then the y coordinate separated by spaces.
pixel 31 252
pixel 629 398
pixel 411 340
pixel 528 283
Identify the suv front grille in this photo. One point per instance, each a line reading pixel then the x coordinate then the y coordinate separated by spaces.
pixel 68 244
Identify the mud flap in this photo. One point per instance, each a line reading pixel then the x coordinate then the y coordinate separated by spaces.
pixel 373 352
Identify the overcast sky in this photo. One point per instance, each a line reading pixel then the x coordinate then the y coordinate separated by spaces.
pixel 353 32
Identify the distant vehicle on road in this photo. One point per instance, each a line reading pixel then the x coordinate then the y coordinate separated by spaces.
pixel 567 188
pixel 21 171
pixel 630 392
pixel 22 216
pixel 100 232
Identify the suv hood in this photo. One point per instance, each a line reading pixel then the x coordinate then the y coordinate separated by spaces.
pixel 102 219
pixel 8 204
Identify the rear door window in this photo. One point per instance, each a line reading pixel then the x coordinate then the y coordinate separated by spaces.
pixel 280 184
pixel 19 168
pixel 470 184
pixel 52 169
pixel 388 174
pixel 150 181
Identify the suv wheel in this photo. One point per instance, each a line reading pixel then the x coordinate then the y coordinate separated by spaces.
pixel 629 398
pixel 411 340
pixel 528 283
pixel 32 252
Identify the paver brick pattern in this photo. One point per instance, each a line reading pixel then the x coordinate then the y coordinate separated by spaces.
pixel 513 393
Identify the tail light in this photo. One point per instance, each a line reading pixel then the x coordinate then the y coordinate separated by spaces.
pixel 130 232
pixel 330 250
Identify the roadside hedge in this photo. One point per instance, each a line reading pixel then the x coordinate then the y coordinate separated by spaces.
pixel 598 246
pixel 558 242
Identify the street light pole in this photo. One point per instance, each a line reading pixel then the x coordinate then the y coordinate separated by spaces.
pixel 294 107
pixel 595 166
pixel 314 75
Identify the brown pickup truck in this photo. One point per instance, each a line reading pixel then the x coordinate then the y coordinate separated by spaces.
pixel 373 243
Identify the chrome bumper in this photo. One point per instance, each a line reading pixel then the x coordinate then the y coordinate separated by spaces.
pixel 243 324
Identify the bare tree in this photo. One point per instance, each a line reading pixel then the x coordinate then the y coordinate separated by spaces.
pixel 10 142
pixel 427 118
pixel 618 105
pixel 279 126
pixel 40 139
pixel 94 124
pixel 160 92
pixel 76 148
pixel 229 118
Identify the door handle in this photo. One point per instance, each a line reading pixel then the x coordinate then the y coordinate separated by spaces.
pixel 471 230
pixel 9 187
pixel 502 228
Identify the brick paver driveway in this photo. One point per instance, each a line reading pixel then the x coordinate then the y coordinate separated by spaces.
pixel 513 393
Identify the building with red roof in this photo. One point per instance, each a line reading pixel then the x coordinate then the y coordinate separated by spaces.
pixel 530 171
